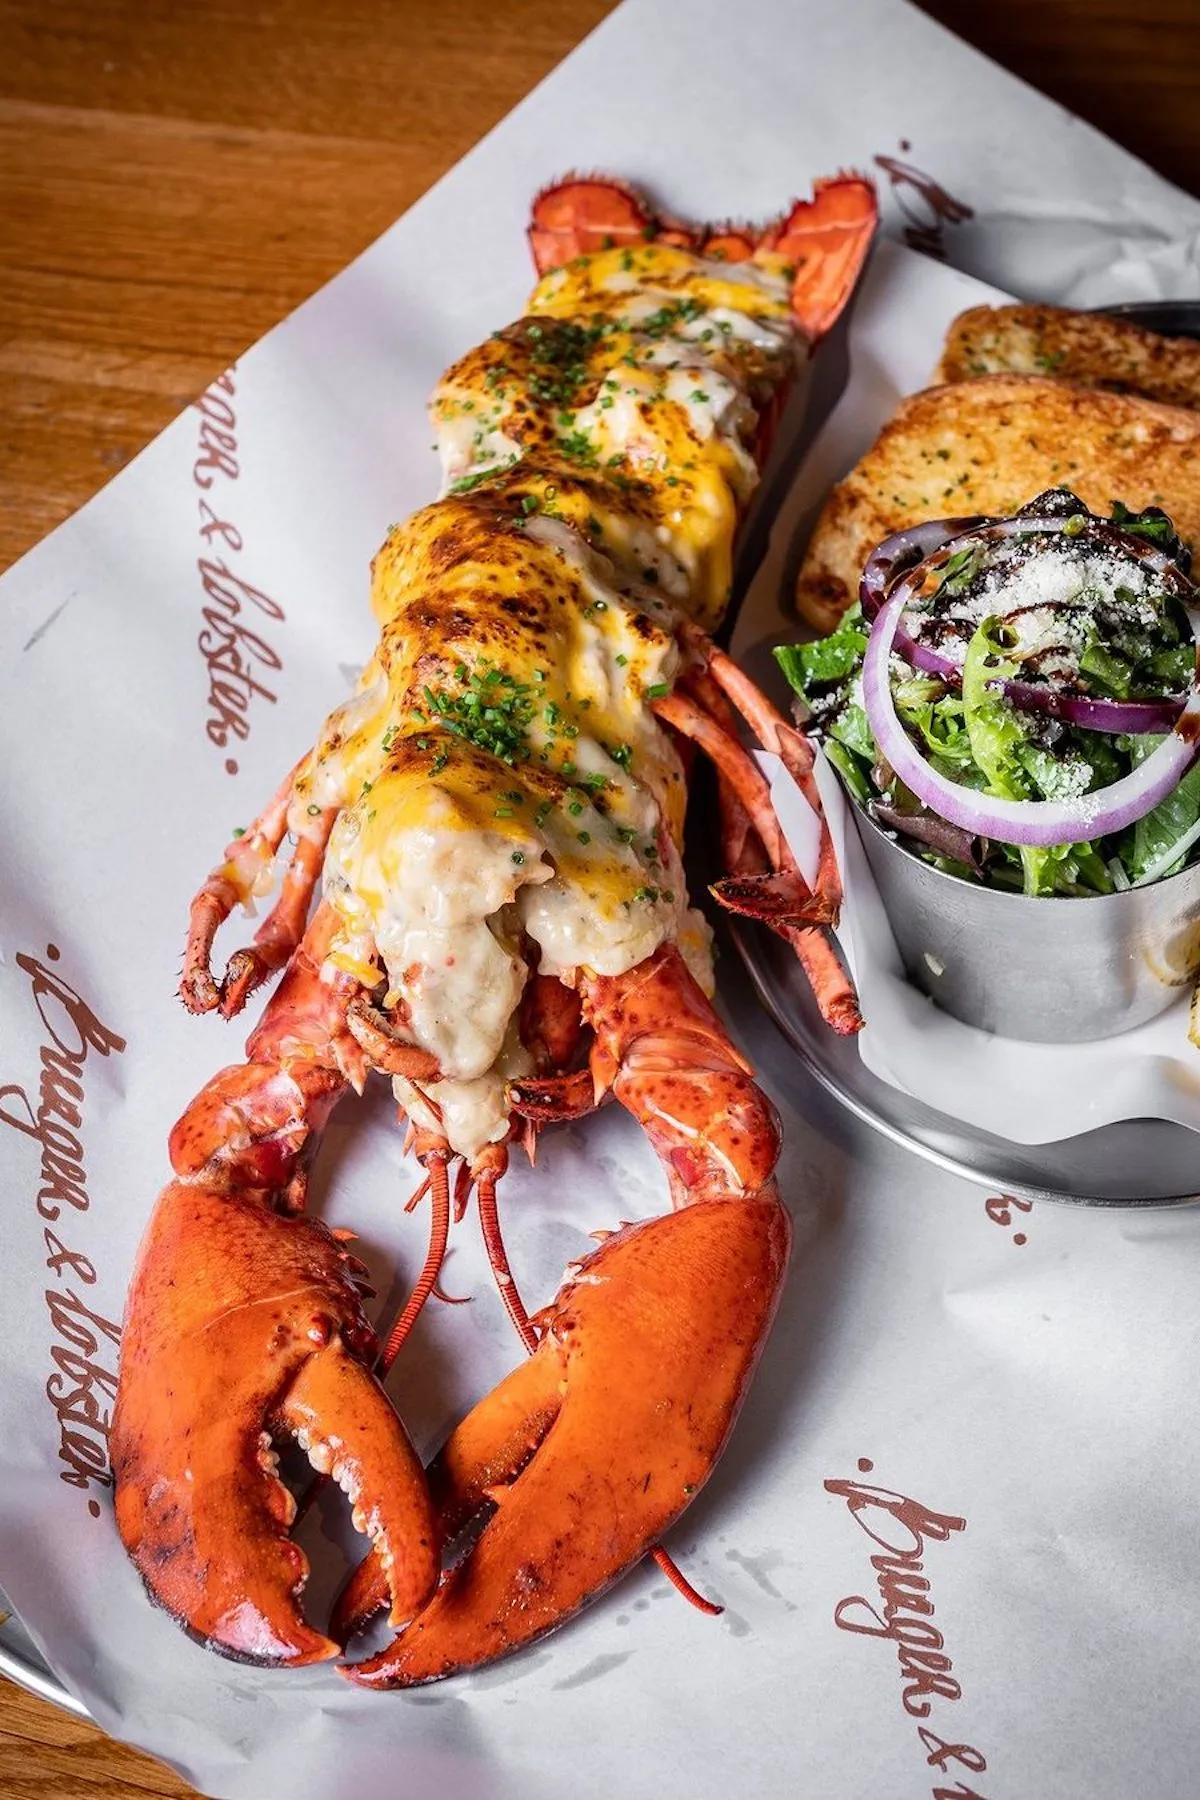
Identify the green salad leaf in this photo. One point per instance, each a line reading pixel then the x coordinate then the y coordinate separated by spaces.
pixel 853 728
pixel 1013 769
pixel 939 718
pixel 1151 523
pixel 828 659
pixel 1156 834
pixel 850 768
pixel 961 570
pixel 995 734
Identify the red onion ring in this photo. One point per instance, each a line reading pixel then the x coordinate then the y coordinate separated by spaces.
pixel 1038 823
pixel 1139 718
pixel 915 544
pixel 928 660
pixel 899 559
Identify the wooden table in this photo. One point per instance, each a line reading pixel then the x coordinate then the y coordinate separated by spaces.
pixel 282 141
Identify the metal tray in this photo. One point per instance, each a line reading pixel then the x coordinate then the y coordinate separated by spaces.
pixel 21 1662
pixel 1135 1163
pixel 1173 318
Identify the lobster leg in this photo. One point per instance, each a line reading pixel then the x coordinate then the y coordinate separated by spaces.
pixel 246 867
pixel 283 927
pixel 244 1321
pixel 748 826
pixel 585 1455
pixel 247 860
pixel 775 733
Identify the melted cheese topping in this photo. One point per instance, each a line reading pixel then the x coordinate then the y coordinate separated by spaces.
pixel 500 776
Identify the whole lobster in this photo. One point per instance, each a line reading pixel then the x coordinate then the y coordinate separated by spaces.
pixel 498 814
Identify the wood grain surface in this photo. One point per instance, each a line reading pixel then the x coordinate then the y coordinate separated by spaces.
pixel 175 178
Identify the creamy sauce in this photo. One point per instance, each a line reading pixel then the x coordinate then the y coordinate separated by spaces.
pixel 506 796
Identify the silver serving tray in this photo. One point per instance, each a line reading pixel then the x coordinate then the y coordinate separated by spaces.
pixel 1135 1163
pixel 22 1663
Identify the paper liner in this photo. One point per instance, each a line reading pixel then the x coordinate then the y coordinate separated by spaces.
pixel 1025 1378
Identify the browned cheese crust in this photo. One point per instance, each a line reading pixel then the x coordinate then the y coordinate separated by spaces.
pixel 987 446
pixel 1089 349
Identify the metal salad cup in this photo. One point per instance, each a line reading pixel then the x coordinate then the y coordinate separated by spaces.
pixel 1047 969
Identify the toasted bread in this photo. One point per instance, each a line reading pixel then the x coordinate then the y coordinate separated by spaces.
pixel 1089 349
pixel 988 446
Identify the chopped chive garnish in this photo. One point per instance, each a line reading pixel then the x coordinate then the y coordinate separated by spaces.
pixel 493 711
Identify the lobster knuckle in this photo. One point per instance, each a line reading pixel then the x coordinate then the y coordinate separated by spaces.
pixel 249 1117
pixel 255 1120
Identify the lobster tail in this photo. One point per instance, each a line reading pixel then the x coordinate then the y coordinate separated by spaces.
pixel 825 239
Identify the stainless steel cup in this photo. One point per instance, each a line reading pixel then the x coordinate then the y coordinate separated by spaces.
pixel 1048 970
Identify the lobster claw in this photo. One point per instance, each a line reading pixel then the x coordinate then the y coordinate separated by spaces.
pixel 585 1454
pixel 242 1322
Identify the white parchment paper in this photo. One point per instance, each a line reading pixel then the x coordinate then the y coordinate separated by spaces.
pixel 1018 1385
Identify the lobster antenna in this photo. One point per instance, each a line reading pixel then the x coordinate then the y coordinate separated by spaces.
pixel 489 1219
pixel 438 1182
pixel 682 1585
pixel 439 1231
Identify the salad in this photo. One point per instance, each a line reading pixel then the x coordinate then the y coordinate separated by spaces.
pixel 1017 699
